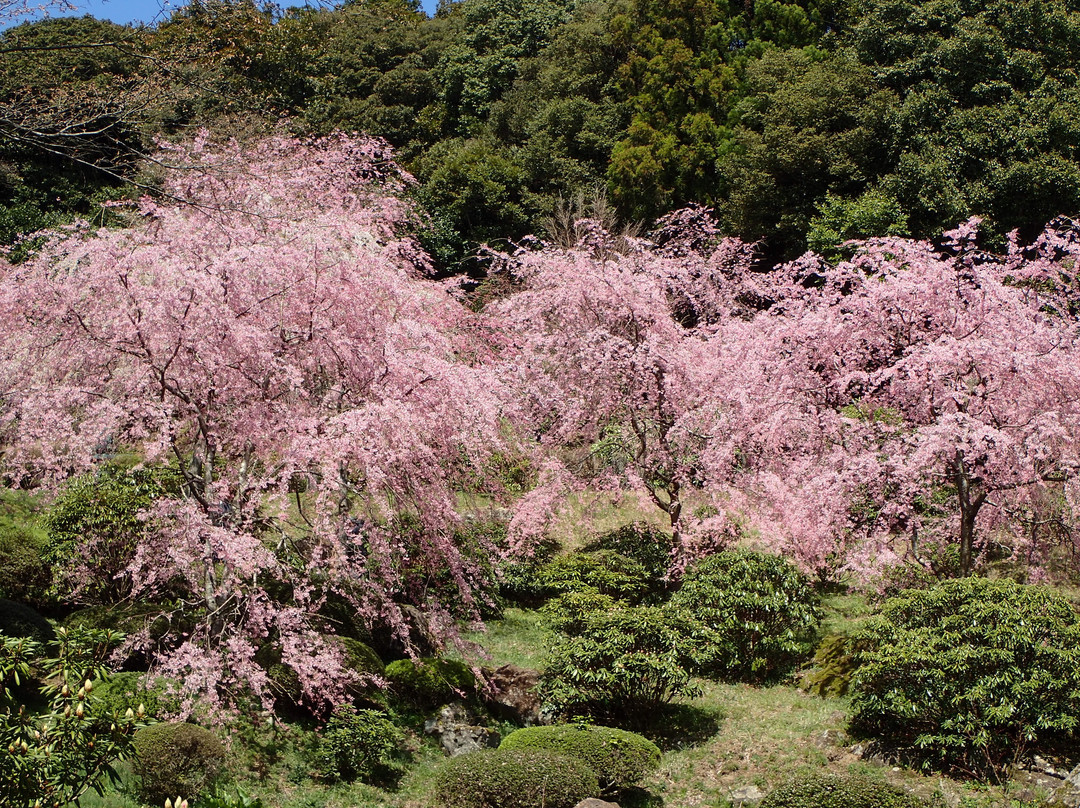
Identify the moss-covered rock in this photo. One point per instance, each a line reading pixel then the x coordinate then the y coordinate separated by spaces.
pixel 429 682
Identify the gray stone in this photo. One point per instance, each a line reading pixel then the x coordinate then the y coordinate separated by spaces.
pixel 593 802
pixel 456 732
pixel 511 693
pixel 1069 792
pixel 746 797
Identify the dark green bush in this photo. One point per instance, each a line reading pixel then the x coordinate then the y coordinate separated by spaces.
pixel 24 574
pixel 760 613
pixel 618 758
pixel 429 683
pixel 503 778
pixel 17 620
pixel 971 675
pixel 176 759
pixel 647 545
pixel 360 745
pixel 606 571
pixel 623 665
pixel 839 791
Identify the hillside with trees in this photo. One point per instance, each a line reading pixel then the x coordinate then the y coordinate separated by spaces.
pixel 674 403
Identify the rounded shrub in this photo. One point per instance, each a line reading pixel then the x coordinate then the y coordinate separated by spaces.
pixel 623 665
pixel 971 675
pixel 430 682
pixel 647 545
pixel 839 791
pixel 618 758
pixel 18 620
pixel 360 745
pixel 176 759
pixel 759 611
pixel 24 574
pixel 605 571
pixel 570 613
pixel 512 778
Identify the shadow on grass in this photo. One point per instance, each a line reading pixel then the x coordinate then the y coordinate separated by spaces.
pixel 639 798
pixel 677 726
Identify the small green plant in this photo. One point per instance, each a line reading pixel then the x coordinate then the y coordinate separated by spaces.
pixel 506 778
pixel 623 665
pixel 834 666
pixel 972 675
pixel 839 791
pixel 360 745
pixel 619 759
pixel 222 798
pixel 55 756
pixel 429 683
pixel 759 611
pixel 570 613
pixel 176 759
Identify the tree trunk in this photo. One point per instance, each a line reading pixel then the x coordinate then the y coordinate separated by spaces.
pixel 969 510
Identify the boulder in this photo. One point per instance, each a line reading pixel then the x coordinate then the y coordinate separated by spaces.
pixel 746 797
pixel 593 802
pixel 511 694
pixel 457 734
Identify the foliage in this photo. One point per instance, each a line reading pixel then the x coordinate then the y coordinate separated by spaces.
pixel 94 527
pixel 571 612
pixel 620 759
pixel 759 611
pixel 129 689
pixel 972 675
pixel 839 791
pixel 431 682
pixel 311 387
pixel 605 571
pixel 220 797
pixel 649 546
pixel 502 778
pixel 623 665
pixel 360 745
pixel 19 620
pixel 55 756
pixel 176 759
pixel 24 574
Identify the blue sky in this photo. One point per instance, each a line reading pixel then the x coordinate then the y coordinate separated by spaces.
pixel 151 11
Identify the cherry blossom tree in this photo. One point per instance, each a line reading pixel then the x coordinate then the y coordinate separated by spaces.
pixel 274 340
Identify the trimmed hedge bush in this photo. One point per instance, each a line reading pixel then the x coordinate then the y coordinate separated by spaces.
pixel 24 574
pixel 360 745
pixel 176 759
pixel 760 614
pixel 618 758
pixel 509 778
pixel 430 682
pixel 971 675
pixel 839 791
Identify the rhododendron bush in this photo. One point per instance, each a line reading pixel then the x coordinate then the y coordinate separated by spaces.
pixel 274 340
pixel 912 393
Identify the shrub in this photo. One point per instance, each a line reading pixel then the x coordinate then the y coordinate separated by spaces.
pixel 570 613
pixel 504 778
pixel 17 620
pixel 430 682
pixel 618 758
pixel 623 665
pixel 52 756
pixel 360 745
pixel 839 791
pixel 606 571
pixel 126 691
pixel 971 675
pixel 759 610
pixel 176 759
pixel 649 546
pixel 24 573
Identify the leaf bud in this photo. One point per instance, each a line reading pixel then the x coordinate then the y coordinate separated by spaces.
pixel 11 749
pixel 88 686
pixel 65 691
pixel 67 711
pixel 168 803
pixel 141 710
pixel 24 747
pixel 129 714
pixel 80 711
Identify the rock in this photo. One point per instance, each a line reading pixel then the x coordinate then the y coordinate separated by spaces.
pixel 1069 792
pixel 593 802
pixel 746 797
pixel 457 735
pixel 512 694
pixel 830 738
pixel 1031 786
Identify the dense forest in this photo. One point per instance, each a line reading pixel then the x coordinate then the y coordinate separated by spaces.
pixel 674 403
